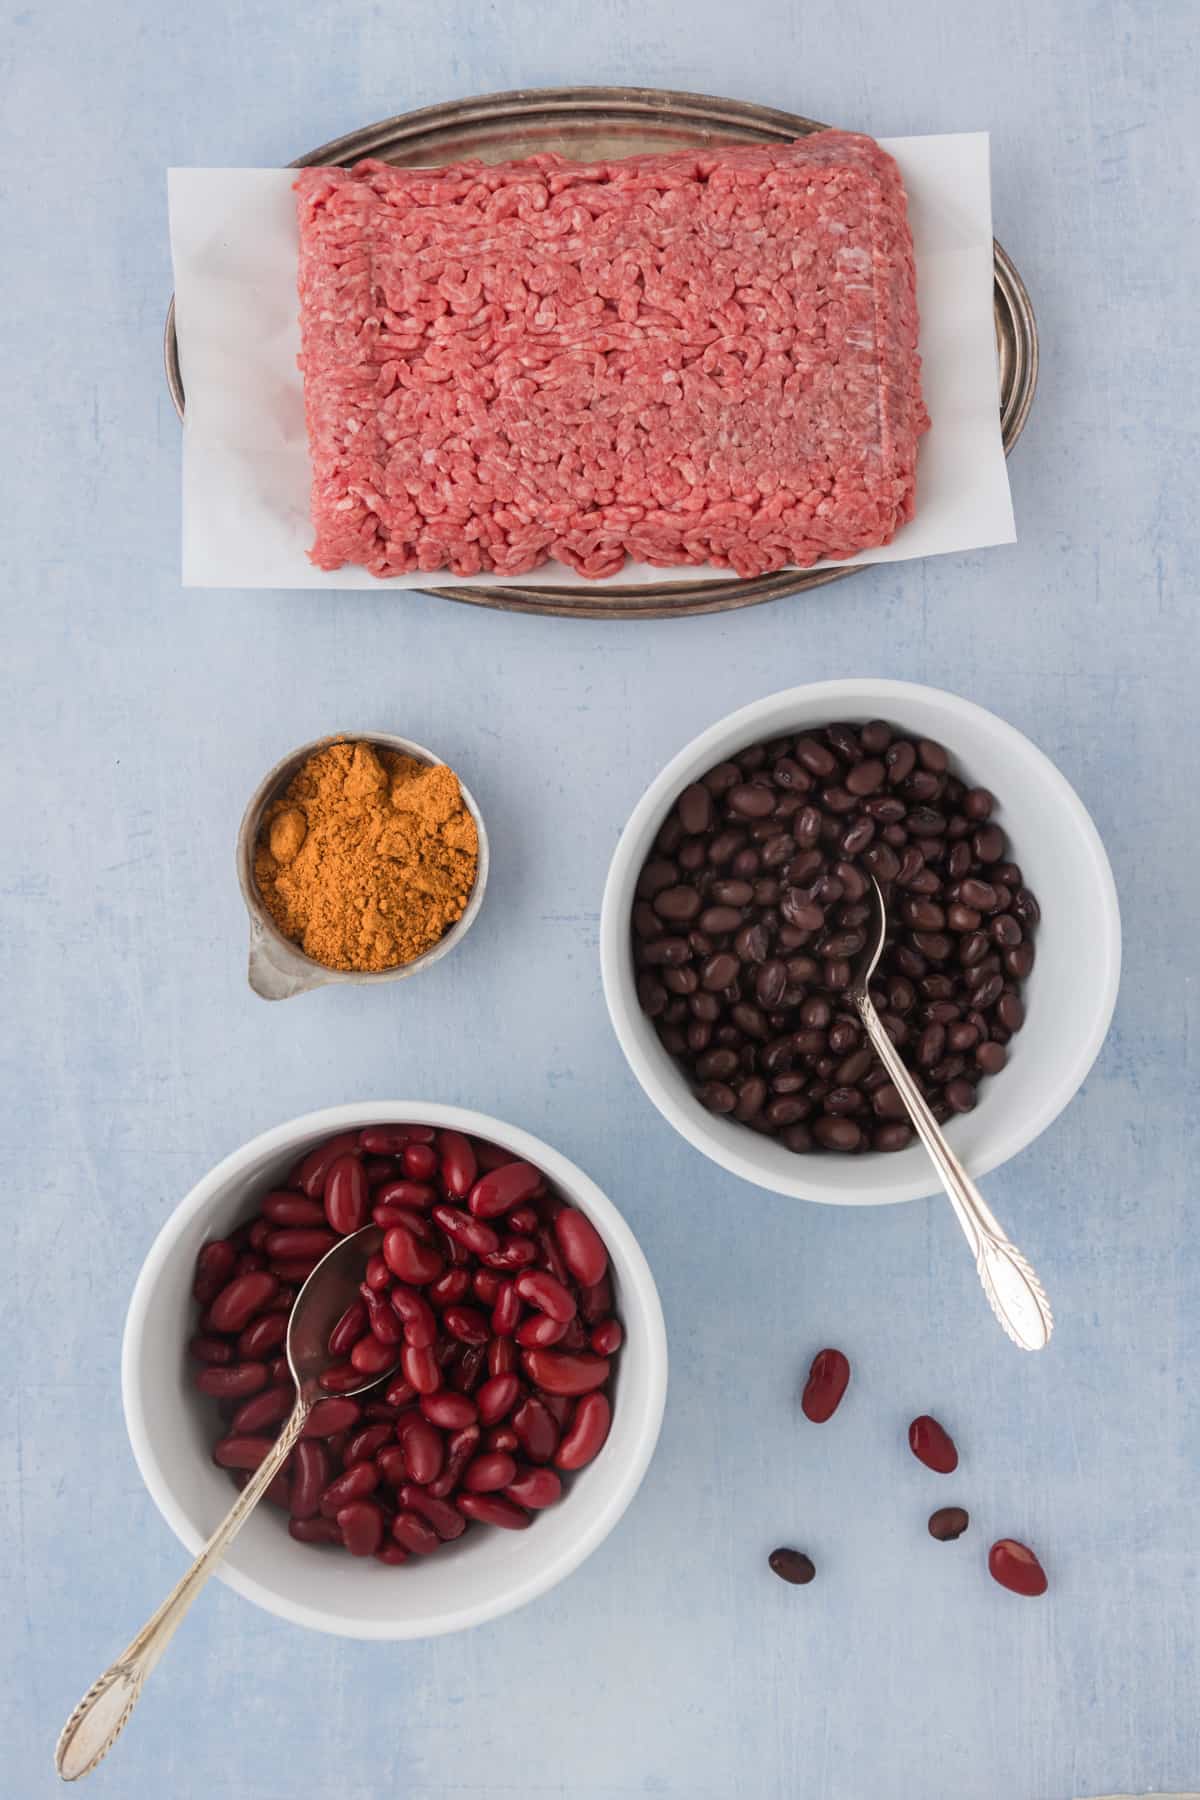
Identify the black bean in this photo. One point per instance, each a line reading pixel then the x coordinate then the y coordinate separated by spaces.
pixel 677 904
pixel 656 875
pixel 948 1523
pixel 717 921
pixel 1019 962
pixel 691 855
pixel 988 844
pixel 837 1134
pixel 751 1097
pixel 745 864
pixel 719 780
pixel 991 1058
pixel 667 951
pixel 1025 906
pixel 901 759
pixel 749 801
pixel 1010 1012
pixel 891 1137
pixel 749 1020
pixel 866 777
pixel 684 980
pixel 960 1096
pixel 815 757
pixel 718 971
pixel 717 1096
pixel 724 847
pixel 793 1566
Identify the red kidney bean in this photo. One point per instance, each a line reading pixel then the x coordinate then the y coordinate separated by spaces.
pixel 415 1534
pixel 410 1196
pixel 361 1526
pixel 1015 1567
pixel 420 1162
pixel 449 1411
pixel 377 1274
pixel 357 1482
pixel 391 1554
pixel 459 1452
pixel 501 1356
pixel 459 1164
pixel 582 1246
pixel 501 1189
pixel 564 1374
pixel 214 1266
pixel 492 1156
pixel 249 1262
pixel 501 1438
pixel 543 1291
pixel 370 1356
pixel 523 1220
pixel 262 1334
pixel 416 1315
pixel 379 1169
pixel 932 1444
pixel 421 1368
pixel 575 1337
pixel 350 1327
pixel 347 1195
pixel 381 1317
pixel 586 1434
pixel 537 1429
pixel 411 1261
pixel 540 1331
pixel 343 1378
pixel 506 1313
pixel 467 1324
pixel 399 1392
pixel 331 1416
pixel 551 1258
pixel 497 1397
pixel 266 1408
pixel 392 1465
pixel 366 1444
pixel 595 1300
pixel 295 1270
pixel 488 1473
pixel 393 1140
pixel 534 1488
pixel 487 1285
pixel 607 1337
pixel 445 1518
pixel 471 1233
pixel 309 1174
pixel 236 1304
pixel 493 1509
pixel 241 1452
pixel 470 1367
pixel 310 1478
pixel 424 1449
pixel 827 1382
pixel 451 1287
pixel 294 1211
pixel 211 1350
pixel 314 1531
pixel 236 1383
pixel 514 1253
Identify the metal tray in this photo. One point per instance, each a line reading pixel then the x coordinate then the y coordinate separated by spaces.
pixel 591 123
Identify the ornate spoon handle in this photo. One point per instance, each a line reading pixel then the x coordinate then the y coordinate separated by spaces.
pixel 1013 1290
pixel 97 1722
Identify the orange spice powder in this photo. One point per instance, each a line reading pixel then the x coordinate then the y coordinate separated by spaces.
pixel 367 858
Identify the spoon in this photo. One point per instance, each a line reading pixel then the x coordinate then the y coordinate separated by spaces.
pixel 1013 1290
pixel 100 1717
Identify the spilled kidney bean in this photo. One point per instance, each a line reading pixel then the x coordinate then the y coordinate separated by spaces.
pixel 793 1566
pixel 827 1381
pixel 948 1523
pixel 1016 1567
pixel 932 1444
pixel 489 1309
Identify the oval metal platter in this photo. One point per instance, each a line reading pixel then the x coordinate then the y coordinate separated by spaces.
pixel 587 124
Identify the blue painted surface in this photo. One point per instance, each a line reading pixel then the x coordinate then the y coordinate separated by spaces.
pixel 134 1056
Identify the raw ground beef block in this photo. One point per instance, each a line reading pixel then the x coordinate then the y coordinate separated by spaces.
pixel 701 357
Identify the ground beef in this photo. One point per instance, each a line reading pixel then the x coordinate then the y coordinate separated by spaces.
pixel 703 357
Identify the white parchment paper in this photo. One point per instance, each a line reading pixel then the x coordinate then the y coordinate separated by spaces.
pixel 234 241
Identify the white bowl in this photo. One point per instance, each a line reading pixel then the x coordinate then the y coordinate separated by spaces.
pixel 489 1572
pixel 1069 996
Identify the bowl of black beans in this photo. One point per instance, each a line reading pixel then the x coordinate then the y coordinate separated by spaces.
pixel 738 904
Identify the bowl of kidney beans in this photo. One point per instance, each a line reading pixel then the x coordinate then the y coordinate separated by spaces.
pixel 520 1414
pixel 737 907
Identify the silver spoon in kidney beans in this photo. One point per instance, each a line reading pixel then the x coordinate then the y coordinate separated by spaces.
pixel 1013 1290
pixel 104 1711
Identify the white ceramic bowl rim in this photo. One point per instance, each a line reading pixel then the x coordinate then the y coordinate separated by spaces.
pixel 637 1284
pixel 864 696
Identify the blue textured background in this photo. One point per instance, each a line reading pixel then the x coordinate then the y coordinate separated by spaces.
pixel 139 717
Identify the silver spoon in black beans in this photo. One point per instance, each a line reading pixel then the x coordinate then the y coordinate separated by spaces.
pixel 753 906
